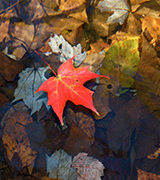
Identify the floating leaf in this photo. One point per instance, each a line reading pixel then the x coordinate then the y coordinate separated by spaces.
pixel 68 86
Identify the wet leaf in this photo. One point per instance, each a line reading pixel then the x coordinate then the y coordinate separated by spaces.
pixel 120 36
pixel 68 86
pixel 9 68
pixel 80 15
pixel 143 175
pixel 138 1
pixel 98 47
pixel 30 11
pixel 123 56
pixel 120 8
pixel 147 83
pixel 150 9
pixel 3 99
pixel 21 33
pixel 97 21
pixel 59 166
pixel 16 141
pixel 30 80
pixel 82 126
pixel 49 178
pixel 93 61
pixel 154 155
pixel 87 167
pixel 123 124
pixel 133 25
pixel 101 99
pixel 152 25
pixel 4 26
pixel 67 5
pixel 59 45
pixel 76 36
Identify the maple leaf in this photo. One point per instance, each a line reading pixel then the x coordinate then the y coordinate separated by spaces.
pixel 30 80
pixel 59 166
pixel 68 85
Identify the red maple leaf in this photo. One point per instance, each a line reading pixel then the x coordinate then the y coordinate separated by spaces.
pixel 68 86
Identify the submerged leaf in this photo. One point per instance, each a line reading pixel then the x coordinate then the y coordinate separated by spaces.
pixel 146 175
pixel 59 166
pixel 15 140
pixel 151 26
pixel 120 8
pixel 30 80
pixel 59 45
pixel 123 56
pixel 67 5
pixel 88 167
pixel 148 81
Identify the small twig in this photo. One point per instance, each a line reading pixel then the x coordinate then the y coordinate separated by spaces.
pixel 1 12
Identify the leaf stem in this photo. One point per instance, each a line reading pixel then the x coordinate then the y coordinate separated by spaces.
pixel 45 62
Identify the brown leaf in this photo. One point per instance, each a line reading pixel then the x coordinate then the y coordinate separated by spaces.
pixel 121 127
pixel 21 33
pixel 152 25
pixel 3 99
pixel 67 5
pixel 150 9
pixel 80 15
pixel 82 127
pixel 16 141
pixel 101 99
pixel 133 2
pixel 4 25
pixel 53 25
pixel 76 36
pixel 51 7
pixel 9 14
pixel 87 167
pixel 148 84
pixel 154 155
pixel 2 81
pixel 133 25
pixel 48 178
pixel 120 36
pixel 93 61
pixel 143 175
pixel 98 22
pixel 98 46
pixel 30 11
pixel 9 68
pixel 147 137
